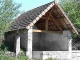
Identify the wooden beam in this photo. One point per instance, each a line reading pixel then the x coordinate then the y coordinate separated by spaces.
pixel 51 18
pixel 46 25
pixel 73 28
pixel 62 21
pixel 40 15
pixel 57 25
pixel 63 24
pixel 54 20
pixel 47 20
pixel 39 31
pixel 52 24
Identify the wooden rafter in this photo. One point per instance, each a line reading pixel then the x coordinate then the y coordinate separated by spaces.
pixel 55 22
pixel 51 18
pixel 47 20
pixel 51 27
pixel 63 24
pixel 57 25
pixel 52 24
pixel 73 28
pixel 61 20
pixel 46 25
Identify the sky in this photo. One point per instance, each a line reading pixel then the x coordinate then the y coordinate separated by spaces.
pixel 30 4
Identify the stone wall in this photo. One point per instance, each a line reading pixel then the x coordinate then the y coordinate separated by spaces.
pixel 56 45
pixel 10 37
pixel 76 55
pixel 36 55
pixel 59 55
pixel 42 41
pixel 49 42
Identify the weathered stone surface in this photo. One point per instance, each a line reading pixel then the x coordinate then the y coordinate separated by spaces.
pixel 17 38
pixel 56 54
pixel 29 44
pixel 37 55
pixel 50 42
pixel 8 53
pixel 76 55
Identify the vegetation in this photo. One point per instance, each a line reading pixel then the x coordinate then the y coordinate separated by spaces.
pixel 4 56
pixel 51 58
pixel 9 57
pixel 8 11
pixel 72 9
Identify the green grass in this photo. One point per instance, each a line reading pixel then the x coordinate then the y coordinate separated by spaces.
pixel 4 47
pixel 3 56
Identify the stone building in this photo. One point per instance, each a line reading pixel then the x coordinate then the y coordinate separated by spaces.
pixel 43 32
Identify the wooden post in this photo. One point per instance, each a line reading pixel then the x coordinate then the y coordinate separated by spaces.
pixel 29 44
pixel 46 25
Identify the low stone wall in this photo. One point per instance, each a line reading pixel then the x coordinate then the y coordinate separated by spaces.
pixel 59 55
pixel 37 55
pixel 75 55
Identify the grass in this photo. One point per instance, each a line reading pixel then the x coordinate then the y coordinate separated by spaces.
pixel 51 58
pixel 4 48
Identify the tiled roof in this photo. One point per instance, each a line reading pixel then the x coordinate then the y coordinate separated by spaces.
pixel 26 18
pixel 57 19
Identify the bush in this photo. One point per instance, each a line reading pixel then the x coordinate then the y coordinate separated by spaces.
pixel 3 56
pixel 8 57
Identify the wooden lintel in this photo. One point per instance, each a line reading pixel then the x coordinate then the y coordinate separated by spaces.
pixel 51 18
pixel 35 30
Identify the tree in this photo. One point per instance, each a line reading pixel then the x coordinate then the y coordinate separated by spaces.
pixel 8 11
pixel 72 9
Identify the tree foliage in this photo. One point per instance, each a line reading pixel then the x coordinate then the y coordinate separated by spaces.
pixel 8 11
pixel 72 9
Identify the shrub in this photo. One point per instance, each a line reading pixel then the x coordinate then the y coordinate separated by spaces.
pixel 3 56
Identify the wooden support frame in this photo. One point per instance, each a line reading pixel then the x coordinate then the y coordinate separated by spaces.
pixel 57 25
pixel 39 31
pixel 39 16
pixel 51 18
pixel 46 25
pixel 55 22
pixel 47 20
pixel 62 21
pixel 73 28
